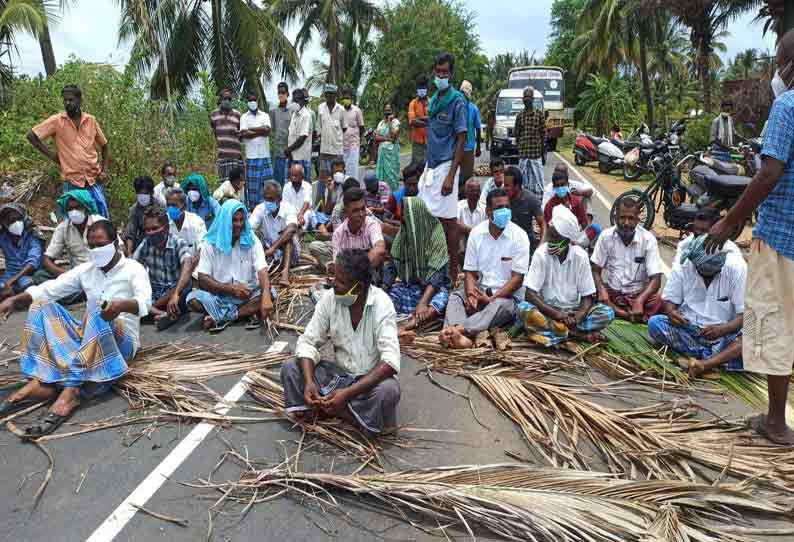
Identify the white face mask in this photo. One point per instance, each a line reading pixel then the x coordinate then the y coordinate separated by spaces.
pixel 16 228
pixel 76 216
pixel 193 195
pixel 169 180
pixel 339 177
pixel 144 200
pixel 252 106
pixel 103 255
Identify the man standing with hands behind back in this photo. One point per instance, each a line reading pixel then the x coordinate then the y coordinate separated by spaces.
pixel 769 299
pixel 77 134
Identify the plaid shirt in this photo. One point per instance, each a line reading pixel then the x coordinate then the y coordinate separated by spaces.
pixel 164 266
pixel 776 214
pixel 530 133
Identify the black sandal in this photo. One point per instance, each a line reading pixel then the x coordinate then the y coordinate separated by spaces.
pixel 46 425
pixel 7 407
pixel 217 328
pixel 254 322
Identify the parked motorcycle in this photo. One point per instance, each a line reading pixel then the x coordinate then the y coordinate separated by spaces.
pixel 585 148
pixel 681 202
pixel 610 156
pixel 644 157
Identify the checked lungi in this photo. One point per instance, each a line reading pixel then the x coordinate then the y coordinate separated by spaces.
pixel 225 166
pixel 405 298
pixel 532 170
pixel 257 171
pixel 57 349
pixel 688 341
pixel 543 330
pixel 373 410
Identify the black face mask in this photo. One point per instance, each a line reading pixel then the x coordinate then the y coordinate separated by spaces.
pixel 157 239
pixel 626 234
pixel 528 104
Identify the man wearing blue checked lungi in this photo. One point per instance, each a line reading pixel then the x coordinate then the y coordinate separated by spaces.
pixel 67 360
pixel 255 132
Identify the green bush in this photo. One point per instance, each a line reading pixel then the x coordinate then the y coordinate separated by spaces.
pixel 139 130
pixel 698 134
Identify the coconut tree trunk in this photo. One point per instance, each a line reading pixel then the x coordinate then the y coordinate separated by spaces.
pixel 646 84
pixel 217 38
pixel 47 52
pixel 705 79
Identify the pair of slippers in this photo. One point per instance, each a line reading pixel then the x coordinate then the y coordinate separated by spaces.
pixel 255 322
pixel 46 425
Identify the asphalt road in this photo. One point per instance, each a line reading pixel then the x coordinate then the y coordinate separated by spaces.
pixel 115 470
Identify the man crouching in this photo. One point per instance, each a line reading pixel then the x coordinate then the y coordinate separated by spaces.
pixel 360 385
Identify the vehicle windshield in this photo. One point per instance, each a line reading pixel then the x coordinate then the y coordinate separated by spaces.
pixel 511 107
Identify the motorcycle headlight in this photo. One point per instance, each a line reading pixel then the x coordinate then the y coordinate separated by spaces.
pixel 501 131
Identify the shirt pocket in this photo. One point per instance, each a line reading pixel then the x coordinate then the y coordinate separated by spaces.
pixel 507 267
pixel 442 124
pixel 762 325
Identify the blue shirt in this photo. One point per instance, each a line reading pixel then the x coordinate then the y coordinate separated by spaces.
pixel 443 130
pixel 28 251
pixel 474 124
pixel 207 210
pixel 776 214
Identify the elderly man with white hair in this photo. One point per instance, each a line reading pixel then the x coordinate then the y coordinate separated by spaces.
pixel 560 289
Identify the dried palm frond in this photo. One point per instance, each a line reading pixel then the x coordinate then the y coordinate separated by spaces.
pixel 10 374
pixel 517 502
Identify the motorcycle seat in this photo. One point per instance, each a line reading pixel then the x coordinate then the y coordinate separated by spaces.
pixel 649 146
pixel 725 168
pixel 727 185
pixel 595 140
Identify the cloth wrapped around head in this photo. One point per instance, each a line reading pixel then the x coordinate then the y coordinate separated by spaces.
pixel 420 248
pixel 220 233
pixel 198 182
pixel 565 223
pixel 26 220
pixel 706 264
pixel 83 197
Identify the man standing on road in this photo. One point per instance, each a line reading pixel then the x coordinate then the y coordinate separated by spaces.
pixel 280 116
pixel 225 123
pixel 417 121
pixel 769 300
pixel 254 131
pixel 331 125
pixel 471 149
pixel 530 132
pixel 299 141
pixel 354 120
pixel 77 134
pixel 446 138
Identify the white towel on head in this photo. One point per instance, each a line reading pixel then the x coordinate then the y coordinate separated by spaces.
pixel 565 222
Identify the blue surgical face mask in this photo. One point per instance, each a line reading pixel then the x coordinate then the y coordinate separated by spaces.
pixel 421 92
pixel 174 212
pixel 501 217
pixel 441 84
pixel 562 191
pixel 271 207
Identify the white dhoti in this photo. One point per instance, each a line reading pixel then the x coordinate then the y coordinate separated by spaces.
pixel 430 184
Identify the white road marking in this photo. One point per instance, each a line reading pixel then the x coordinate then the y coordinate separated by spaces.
pixel 113 525
pixel 601 197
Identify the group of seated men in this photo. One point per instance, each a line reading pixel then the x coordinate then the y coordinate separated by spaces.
pixel 386 256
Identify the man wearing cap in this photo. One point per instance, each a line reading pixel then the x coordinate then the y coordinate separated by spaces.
pixel 77 135
pixel 331 125
pixel 560 289
pixel 471 148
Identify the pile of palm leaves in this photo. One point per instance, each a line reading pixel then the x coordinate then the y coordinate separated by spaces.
pixel 517 502
pixel 10 375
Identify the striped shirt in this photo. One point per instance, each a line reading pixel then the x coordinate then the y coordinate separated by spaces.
pixel 369 234
pixel 226 127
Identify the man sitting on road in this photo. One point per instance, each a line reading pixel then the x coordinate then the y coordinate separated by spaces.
pixel 704 220
pixel 563 195
pixel 183 224
pixel 470 214
pixel 581 189
pixel 359 231
pixel 496 181
pixel 525 207
pixel 297 194
pixel 411 174
pixel 199 200
pixel 497 258
pixel 68 360
pixel 231 188
pixel 144 198
pixel 560 289
pixel 276 225
pixel 360 385
pixel 21 245
pixel 627 266
pixel 168 173
pixel 169 263
pixel 232 273
pixel 703 309
pixel 376 194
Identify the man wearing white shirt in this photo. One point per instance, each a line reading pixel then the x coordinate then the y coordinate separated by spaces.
pixel 704 220
pixel 354 119
pixel 67 360
pixel 297 194
pixel 703 310
pixel 560 288
pixel 254 132
pixel 183 224
pixel 581 189
pixel 360 386
pixel 470 214
pixel 168 172
pixel 627 266
pixel 332 126
pixel 496 181
pixel 276 225
pixel 299 138
pixel 232 273
pixel 497 258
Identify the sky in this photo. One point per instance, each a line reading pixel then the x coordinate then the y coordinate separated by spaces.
pixel 502 28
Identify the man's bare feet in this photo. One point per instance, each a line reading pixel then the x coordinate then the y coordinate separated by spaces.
pixel 33 390
pixel 444 336
pixel 778 435
pixel 458 340
pixel 406 337
pixel 695 368
pixel 592 337
pixel 67 402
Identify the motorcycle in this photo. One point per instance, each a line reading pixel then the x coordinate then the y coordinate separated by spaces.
pixel 681 202
pixel 590 148
pixel 644 157
pixel 585 148
pixel 610 156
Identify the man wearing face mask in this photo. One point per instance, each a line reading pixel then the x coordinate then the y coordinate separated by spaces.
pixel 446 138
pixel 67 360
pixel 354 119
pixel 77 134
pixel 769 301
pixel 280 117
pixel 144 198
pixel 703 310
pixel 560 289
pixel 333 186
pixel 627 266
pixel 169 263
pixel 254 131
pixel 168 171
pixel 276 223
pixel 417 121
pixel 69 240
pixel 225 122
pixel 579 188
pixel 199 200
pixel 530 132
pixel 563 195
pixel 497 258
pixel 21 245
pixel 722 131
pixel 332 126
pixel 183 224
pixel 299 142
pixel 360 385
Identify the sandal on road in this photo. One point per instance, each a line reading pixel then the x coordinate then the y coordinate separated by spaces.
pixel 254 322
pixel 7 407
pixel 46 425
pixel 219 327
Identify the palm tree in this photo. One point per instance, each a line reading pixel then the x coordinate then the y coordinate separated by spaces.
pixel 238 42
pixel 779 14
pixel 31 17
pixel 329 19
pixel 354 54
pixel 604 102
